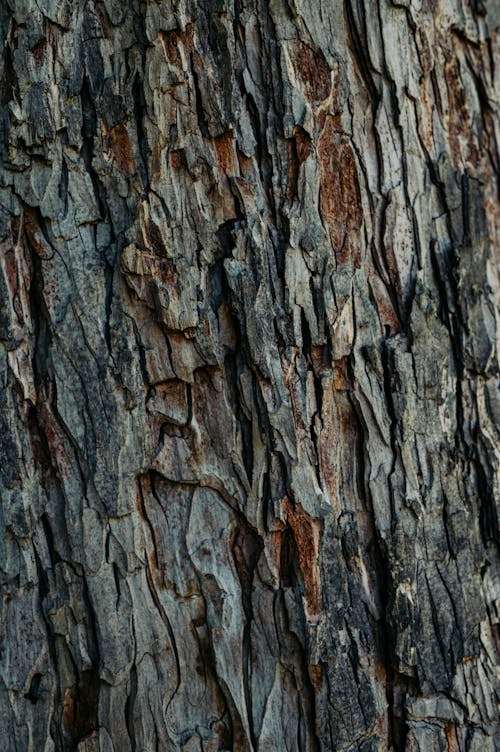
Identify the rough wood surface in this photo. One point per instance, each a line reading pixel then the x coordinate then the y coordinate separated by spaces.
pixel 249 453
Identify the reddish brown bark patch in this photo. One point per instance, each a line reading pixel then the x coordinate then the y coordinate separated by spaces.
pixel 246 164
pixel 56 441
pixel 341 380
pixel 167 273
pixel 451 737
pixel 80 706
pixel 306 531
pixel 120 146
pixel 173 39
pixel 303 144
pixel 31 229
pixel 319 359
pixel 227 331
pixel 177 159
pixel 225 153
pixel 38 51
pixel 340 198
pixel 495 629
pixel 316 676
pixel 313 72
pixel 155 240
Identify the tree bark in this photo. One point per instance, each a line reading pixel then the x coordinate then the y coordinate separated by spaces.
pixel 249 454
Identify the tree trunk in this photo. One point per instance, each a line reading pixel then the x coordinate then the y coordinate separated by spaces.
pixel 248 376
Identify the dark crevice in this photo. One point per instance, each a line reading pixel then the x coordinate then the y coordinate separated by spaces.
pixel 8 81
pixel 246 549
pixel 202 119
pixel 262 155
pixel 294 657
pixel 41 319
pixel 390 376
pixel 359 48
pixel 35 691
pixel 398 688
pixel 386 627
pixel 63 186
pixel 116 576
pixel 81 716
pixel 49 537
pixel 141 350
pixel 290 574
pixel 129 707
pixel 149 479
pixel 445 268
pixel 89 131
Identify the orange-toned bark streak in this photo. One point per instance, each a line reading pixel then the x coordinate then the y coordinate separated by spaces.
pixel 316 676
pixel 173 39
pixel 121 148
pixel 155 240
pixel 313 72
pixel 451 737
pixel 307 532
pixel 30 226
pixel 340 198
pixel 225 153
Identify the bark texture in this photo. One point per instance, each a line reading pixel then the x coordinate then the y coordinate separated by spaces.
pixel 247 358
